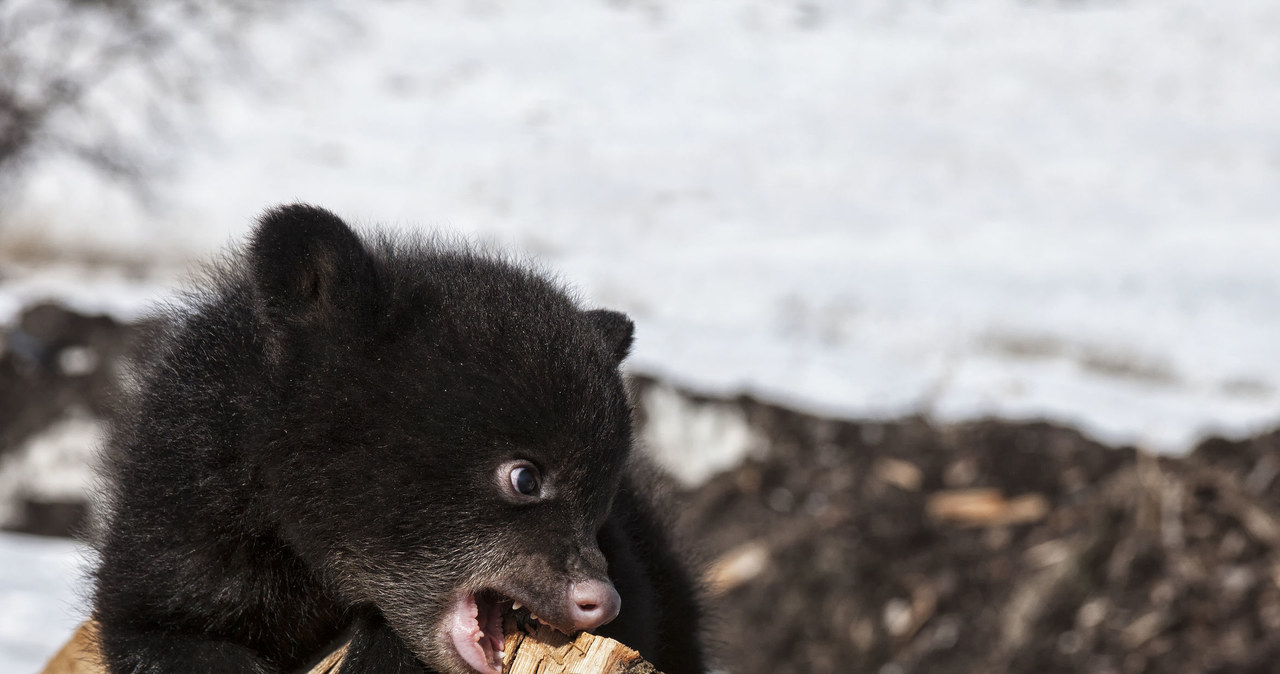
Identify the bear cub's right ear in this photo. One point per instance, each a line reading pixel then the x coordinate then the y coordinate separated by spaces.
pixel 307 265
pixel 615 329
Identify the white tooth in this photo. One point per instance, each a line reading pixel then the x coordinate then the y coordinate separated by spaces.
pixel 535 617
pixel 478 636
pixel 502 654
pixel 516 606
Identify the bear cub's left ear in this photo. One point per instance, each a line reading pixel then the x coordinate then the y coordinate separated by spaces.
pixel 615 329
pixel 307 265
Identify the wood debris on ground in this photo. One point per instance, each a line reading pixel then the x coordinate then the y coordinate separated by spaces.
pixel 990 546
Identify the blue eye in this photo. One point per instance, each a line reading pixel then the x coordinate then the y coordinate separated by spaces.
pixel 525 480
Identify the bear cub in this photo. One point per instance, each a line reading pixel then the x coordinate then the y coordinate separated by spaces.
pixel 382 439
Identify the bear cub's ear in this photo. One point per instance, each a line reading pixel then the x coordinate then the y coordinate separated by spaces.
pixel 615 329
pixel 307 264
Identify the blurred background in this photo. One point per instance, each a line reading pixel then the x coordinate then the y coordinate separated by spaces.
pixel 956 318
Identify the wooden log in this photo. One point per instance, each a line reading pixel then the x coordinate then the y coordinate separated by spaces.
pixel 78 656
pixel 331 662
pixel 543 650
pixel 537 649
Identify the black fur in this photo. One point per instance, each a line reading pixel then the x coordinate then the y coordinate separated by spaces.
pixel 315 450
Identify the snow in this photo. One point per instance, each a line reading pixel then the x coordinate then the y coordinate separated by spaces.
pixel 718 433
pixel 57 465
pixel 43 590
pixel 962 209
pixel 1062 210
pixel 90 290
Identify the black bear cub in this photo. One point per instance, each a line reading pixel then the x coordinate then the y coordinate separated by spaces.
pixel 383 439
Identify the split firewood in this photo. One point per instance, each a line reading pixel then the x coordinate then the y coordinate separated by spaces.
pixel 78 656
pixel 331 662
pixel 531 649
pixel 538 649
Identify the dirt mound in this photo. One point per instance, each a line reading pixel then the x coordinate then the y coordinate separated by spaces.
pixel 58 369
pixel 989 547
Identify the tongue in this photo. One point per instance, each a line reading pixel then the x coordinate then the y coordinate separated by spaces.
pixel 463 630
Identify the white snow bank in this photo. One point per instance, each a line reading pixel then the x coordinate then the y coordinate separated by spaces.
pixel 1065 210
pixel 42 598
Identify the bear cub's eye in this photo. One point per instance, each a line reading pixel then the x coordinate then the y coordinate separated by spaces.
pixel 525 479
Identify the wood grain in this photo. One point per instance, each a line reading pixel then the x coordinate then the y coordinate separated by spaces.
pixel 536 650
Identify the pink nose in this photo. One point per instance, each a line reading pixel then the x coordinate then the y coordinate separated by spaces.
pixel 592 603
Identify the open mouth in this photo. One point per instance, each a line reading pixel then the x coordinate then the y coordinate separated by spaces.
pixel 475 628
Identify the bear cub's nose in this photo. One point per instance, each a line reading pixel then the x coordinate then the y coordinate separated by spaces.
pixel 592 603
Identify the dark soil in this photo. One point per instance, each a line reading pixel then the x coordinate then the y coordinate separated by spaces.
pixel 1133 564
pixel 835 549
pixel 55 362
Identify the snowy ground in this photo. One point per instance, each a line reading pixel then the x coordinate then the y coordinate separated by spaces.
pixel 42 587
pixel 1020 208
pixel 1023 208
